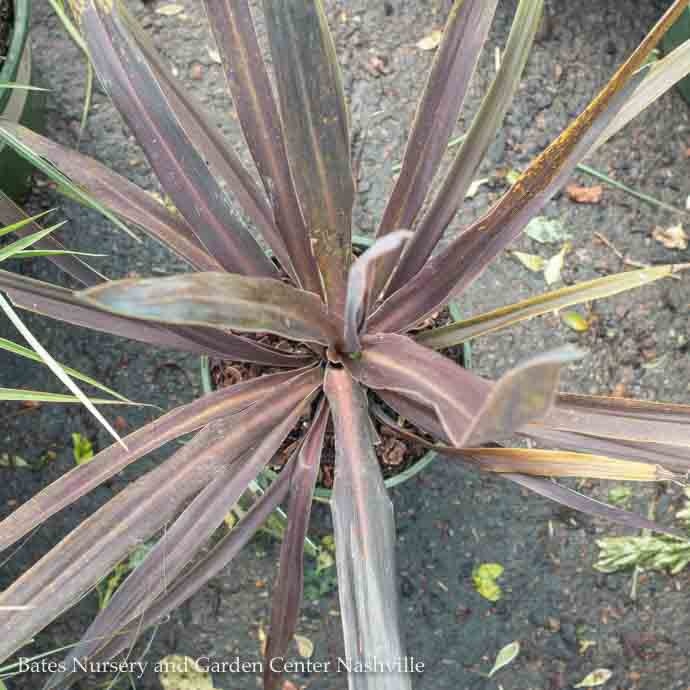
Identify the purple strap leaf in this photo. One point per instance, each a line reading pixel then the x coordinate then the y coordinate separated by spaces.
pixel 361 284
pixel 474 146
pixel 190 582
pixel 221 300
pixel 84 478
pixel 133 85
pixel 78 562
pixel 245 71
pixel 364 531
pixel 590 506
pixel 454 269
pixel 437 114
pixel 182 541
pixel 315 129
pixel 59 303
pixel 287 597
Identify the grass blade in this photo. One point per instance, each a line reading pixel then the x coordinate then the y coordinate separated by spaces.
pixel 12 214
pixel 26 353
pixel 118 195
pixel 23 395
pixel 56 368
pixel 600 288
pixel 12 249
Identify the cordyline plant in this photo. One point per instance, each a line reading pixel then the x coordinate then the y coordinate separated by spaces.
pixel 352 321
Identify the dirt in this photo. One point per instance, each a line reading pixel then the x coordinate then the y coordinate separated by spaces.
pixel 6 20
pixel 450 519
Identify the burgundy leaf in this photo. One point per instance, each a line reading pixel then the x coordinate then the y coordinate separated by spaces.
pixel 221 300
pixel 364 531
pixel 455 268
pixel 211 144
pixel 621 419
pixel 59 303
pixel 590 506
pixel 315 128
pixel 361 284
pixel 233 29
pixel 198 575
pixel 119 195
pixel 464 36
pixel 182 541
pixel 287 597
pixel 106 464
pixel 78 562
pixel 133 85
pixel 474 146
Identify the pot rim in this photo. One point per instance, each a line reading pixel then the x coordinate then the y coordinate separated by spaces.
pixel 20 35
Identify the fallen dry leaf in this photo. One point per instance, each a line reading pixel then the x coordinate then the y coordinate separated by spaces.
pixel 169 9
pixel 431 42
pixel 533 262
pixel 584 195
pixel 672 238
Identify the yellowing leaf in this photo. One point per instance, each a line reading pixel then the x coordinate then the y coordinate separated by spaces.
pixel 672 238
pixel 305 646
pixel 506 656
pixel 431 42
pixel 484 578
pixel 531 261
pixel 177 672
pixel 575 321
pixel 595 678
pixel 170 9
pixel 546 231
pixel 554 266
pixel 474 187
pixel 585 645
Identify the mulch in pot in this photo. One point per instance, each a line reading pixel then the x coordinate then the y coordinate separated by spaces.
pixel 395 454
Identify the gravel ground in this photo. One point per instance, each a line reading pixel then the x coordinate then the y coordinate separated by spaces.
pixel 450 519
